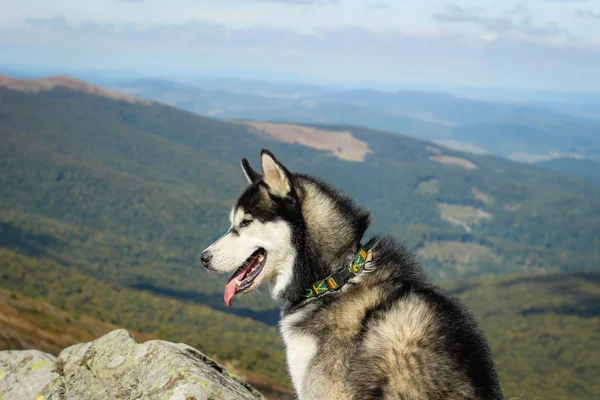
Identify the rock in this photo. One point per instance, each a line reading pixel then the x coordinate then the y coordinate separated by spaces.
pixel 116 366
pixel 27 374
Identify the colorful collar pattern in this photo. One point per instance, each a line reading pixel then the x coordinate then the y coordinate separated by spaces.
pixel 339 278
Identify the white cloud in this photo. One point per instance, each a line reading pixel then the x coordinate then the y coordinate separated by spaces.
pixel 587 14
pixel 378 6
pixel 517 9
pixel 456 14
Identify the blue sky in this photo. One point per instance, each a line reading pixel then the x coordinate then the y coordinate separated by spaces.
pixel 546 44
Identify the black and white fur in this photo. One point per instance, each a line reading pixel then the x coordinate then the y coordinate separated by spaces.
pixel 387 334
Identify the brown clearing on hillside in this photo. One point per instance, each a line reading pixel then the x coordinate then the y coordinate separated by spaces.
pixel 33 324
pixel 434 150
pixel 512 207
pixel 461 162
pixel 52 82
pixel 341 144
pixel 459 256
pixel 428 187
pixel 464 216
pixel 481 196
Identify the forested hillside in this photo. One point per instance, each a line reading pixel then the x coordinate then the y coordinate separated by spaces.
pixel 105 204
pixel 543 330
pixel 155 174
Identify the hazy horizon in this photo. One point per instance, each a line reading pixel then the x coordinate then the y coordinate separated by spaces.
pixel 101 76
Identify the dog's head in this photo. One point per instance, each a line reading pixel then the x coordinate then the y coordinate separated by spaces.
pixel 258 247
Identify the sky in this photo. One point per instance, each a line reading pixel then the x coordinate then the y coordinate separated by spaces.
pixel 537 44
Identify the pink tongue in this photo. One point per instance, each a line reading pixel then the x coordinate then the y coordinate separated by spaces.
pixel 230 292
pixel 231 287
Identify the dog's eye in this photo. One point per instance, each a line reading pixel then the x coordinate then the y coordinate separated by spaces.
pixel 245 222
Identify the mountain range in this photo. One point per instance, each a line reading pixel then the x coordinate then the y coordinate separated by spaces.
pixel 107 199
pixel 554 126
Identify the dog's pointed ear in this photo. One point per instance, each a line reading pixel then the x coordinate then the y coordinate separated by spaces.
pixel 252 175
pixel 276 176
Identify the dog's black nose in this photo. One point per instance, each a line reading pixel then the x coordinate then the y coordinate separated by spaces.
pixel 205 257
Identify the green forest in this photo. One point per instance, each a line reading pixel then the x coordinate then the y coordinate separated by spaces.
pixel 105 205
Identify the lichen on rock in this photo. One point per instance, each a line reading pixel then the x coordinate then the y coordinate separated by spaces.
pixel 116 366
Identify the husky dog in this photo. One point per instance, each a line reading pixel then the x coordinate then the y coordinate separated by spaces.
pixel 359 322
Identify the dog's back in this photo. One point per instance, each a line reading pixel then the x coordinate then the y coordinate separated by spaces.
pixel 391 335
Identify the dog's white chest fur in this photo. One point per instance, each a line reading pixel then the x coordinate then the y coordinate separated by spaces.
pixel 300 349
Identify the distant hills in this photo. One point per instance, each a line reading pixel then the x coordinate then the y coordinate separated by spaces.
pixel 562 126
pixel 106 202
pixel 64 82
pixel 588 169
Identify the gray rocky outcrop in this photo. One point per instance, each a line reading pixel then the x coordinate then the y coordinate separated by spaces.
pixel 116 366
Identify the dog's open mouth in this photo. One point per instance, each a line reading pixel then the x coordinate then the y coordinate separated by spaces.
pixel 243 277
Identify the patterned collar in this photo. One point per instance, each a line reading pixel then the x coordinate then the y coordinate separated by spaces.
pixel 339 278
